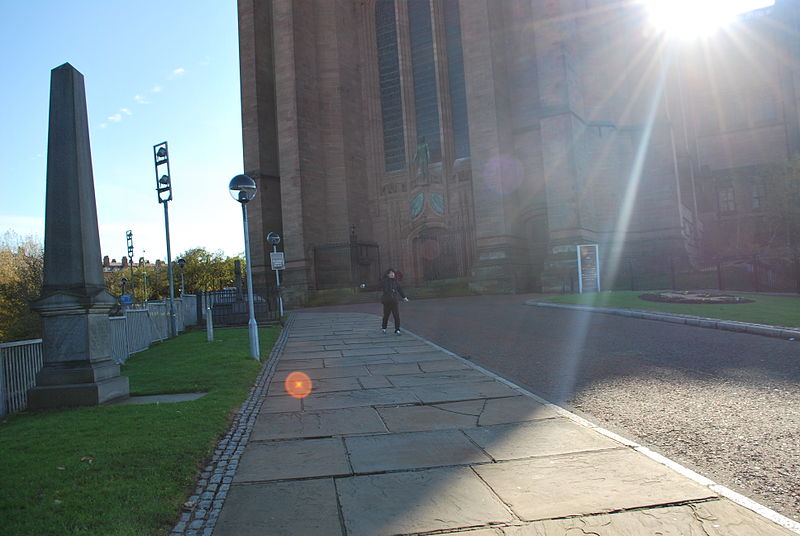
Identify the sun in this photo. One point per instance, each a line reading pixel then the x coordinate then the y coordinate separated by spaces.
pixel 691 19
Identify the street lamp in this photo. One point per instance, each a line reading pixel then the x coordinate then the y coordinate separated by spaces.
pixel 182 263
pixel 124 282
pixel 129 237
pixel 243 189
pixel 143 271
pixel 164 192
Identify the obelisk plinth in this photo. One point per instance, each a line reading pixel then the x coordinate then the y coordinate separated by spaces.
pixel 74 305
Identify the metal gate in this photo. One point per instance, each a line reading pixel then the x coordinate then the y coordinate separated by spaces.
pixel 440 254
pixel 229 306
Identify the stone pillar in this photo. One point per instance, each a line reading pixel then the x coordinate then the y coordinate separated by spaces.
pixel 502 264
pixel 74 305
pixel 561 106
pixel 259 130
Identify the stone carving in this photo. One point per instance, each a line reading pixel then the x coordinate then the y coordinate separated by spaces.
pixel 422 158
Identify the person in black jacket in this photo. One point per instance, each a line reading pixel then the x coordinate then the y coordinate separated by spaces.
pixel 391 292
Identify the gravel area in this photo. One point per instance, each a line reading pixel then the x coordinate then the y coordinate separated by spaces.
pixel 724 404
pixel 740 434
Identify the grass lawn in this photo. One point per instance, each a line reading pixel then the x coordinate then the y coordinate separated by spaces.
pixel 771 310
pixel 126 470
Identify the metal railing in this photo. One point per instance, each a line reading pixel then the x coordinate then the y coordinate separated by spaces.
pixel 19 363
pixel 131 333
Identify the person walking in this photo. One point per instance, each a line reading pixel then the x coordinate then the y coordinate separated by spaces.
pixel 391 293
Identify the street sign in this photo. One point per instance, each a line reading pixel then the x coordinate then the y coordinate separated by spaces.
pixel 277 259
pixel 126 299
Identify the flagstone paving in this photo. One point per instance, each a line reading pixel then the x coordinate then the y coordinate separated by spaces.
pixel 401 437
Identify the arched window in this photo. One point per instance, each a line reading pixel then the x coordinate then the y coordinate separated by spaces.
pixel 426 62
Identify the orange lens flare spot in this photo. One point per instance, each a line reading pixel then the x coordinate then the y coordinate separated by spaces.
pixel 298 384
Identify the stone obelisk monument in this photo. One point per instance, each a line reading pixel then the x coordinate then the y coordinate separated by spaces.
pixel 74 305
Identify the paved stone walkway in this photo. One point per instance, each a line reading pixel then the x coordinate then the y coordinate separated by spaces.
pixel 399 436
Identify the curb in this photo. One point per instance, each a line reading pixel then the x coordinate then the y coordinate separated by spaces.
pixel 723 491
pixel 689 320
pixel 201 510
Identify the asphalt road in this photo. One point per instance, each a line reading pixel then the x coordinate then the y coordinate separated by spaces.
pixel 722 403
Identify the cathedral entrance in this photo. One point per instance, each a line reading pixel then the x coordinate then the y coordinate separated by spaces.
pixel 440 254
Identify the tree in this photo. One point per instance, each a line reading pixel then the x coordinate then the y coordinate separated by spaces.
pixel 204 270
pixel 21 275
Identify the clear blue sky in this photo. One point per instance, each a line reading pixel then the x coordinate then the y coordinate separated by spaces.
pixel 154 71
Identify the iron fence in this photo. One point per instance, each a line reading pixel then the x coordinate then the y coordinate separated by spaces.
pixel 19 364
pixel 229 307
pixel 131 333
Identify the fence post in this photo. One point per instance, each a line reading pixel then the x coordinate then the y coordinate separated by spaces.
pixel 198 303
pixel 3 390
pixel 719 275
pixel 209 324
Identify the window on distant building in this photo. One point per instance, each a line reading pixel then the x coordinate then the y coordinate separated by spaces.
pixel 394 152
pixel 759 191
pixel 726 197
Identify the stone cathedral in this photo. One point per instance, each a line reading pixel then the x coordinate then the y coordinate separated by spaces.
pixel 483 140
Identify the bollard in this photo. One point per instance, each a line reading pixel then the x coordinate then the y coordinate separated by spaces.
pixel 209 325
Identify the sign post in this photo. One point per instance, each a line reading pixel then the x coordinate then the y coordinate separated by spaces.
pixel 588 268
pixel 278 261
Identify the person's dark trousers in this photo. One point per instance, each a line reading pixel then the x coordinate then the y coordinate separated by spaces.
pixel 391 307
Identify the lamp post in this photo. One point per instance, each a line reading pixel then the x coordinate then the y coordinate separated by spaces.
pixel 182 264
pixel 129 237
pixel 143 270
pixel 164 191
pixel 243 189
pixel 124 282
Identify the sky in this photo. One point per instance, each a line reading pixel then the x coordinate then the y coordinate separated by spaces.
pixel 154 72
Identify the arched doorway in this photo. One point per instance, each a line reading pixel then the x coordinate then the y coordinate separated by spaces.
pixel 440 254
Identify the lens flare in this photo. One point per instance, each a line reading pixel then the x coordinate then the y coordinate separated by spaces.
pixel 298 384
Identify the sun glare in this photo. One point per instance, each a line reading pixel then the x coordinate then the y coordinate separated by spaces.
pixel 690 19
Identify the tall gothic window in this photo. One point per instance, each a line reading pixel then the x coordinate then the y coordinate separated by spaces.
pixel 426 101
pixel 391 96
pixel 455 75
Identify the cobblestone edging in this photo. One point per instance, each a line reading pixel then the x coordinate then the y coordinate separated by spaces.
pixel 202 509
pixel 713 323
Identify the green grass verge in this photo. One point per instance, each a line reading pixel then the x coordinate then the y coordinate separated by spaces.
pixel 126 470
pixel 770 310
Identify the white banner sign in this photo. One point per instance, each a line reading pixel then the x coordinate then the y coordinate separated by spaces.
pixel 277 259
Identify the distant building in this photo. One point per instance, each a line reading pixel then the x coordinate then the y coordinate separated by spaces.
pixel 112 265
pixel 485 139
